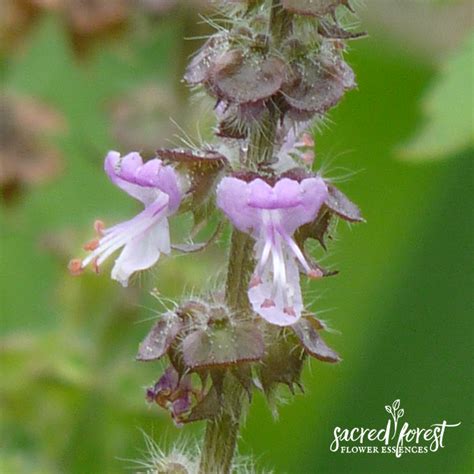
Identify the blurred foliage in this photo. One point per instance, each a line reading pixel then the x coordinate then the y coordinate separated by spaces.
pixel 449 107
pixel 72 396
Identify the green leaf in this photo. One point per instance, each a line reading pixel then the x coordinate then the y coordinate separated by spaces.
pixel 449 109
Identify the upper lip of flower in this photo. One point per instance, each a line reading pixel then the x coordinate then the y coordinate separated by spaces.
pixel 143 181
pixel 297 202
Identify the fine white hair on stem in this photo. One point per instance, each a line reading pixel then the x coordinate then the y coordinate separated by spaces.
pixel 154 458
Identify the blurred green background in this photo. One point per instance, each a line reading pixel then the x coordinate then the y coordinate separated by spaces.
pixel 401 147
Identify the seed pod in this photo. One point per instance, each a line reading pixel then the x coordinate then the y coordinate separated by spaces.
pixel 198 69
pixel 317 84
pixel 237 77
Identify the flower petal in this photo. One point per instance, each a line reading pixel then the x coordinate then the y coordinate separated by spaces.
pixel 313 194
pixel 232 198
pixel 168 182
pixel 271 215
pixel 121 172
pixel 129 165
pixel 146 175
pixel 283 308
pixel 298 203
pixel 143 181
pixel 142 252
pixel 286 193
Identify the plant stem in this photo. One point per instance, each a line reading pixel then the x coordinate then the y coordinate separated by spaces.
pixel 262 138
pixel 281 23
pixel 221 433
pixel 238 271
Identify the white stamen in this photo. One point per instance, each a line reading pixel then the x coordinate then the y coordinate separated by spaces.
pixel 122 234
pixel 264 257
pixel 297 252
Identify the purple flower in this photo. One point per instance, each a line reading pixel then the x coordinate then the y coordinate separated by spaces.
pixel 173 393
pixel 299 146
pixel 272 215
pixel 166 385
pixel 145 236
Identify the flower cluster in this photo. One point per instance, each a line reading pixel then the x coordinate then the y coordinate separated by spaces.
pixel 276 203
pixel 246 73
pixel 271 210
pixel 205 342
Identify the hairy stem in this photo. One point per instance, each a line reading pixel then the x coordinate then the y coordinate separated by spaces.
pixel 262 138
pixel 238 271
pixel 281 23
pixel 221 434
